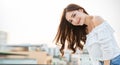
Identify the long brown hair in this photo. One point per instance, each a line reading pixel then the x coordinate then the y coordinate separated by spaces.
pixel 74 35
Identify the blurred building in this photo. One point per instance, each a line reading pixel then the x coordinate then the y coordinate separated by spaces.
pixel 85 59
pixel 50 55
pixel 79 58
pixel 56 51
pixel 58 61
pixel 75 59
pixel 19 52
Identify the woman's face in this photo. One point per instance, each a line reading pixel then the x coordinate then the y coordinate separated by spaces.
pixel 76 17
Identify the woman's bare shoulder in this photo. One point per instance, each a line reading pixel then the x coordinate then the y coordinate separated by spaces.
pixel 98 20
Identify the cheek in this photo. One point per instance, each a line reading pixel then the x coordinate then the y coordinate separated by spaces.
pixel 73 23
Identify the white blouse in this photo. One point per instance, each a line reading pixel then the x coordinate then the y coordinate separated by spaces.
pixel 101 44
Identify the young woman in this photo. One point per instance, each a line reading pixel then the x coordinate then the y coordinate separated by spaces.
pixel 77 27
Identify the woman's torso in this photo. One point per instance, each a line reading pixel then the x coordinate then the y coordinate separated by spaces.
pixel 101 43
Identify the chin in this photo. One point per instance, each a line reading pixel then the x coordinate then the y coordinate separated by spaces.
pixel 81 24
pixel 78 25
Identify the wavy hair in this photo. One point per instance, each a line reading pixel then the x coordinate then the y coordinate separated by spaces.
pixel 73 35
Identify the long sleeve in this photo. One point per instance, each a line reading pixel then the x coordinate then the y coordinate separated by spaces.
pixel 105 38
pixel 101 43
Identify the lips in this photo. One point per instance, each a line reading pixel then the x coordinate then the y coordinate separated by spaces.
pixel 79 20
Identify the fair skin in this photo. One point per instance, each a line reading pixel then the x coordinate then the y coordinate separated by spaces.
pixel 78 17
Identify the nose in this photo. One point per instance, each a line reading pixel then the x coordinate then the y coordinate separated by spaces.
pixel 74 20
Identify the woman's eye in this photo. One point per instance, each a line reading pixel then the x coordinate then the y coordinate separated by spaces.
pixel 74 15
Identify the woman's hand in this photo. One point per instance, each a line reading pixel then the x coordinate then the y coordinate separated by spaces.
pixel 106 62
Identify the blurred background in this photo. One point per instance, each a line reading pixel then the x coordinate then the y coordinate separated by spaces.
pixel 29 26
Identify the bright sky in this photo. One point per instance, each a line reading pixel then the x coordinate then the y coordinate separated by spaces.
pixel 36 21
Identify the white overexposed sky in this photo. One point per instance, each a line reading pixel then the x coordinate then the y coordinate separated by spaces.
pixel 36 21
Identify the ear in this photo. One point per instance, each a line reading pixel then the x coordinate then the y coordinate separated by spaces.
pixel 80 10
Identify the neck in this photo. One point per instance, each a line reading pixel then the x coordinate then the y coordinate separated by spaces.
pixel 89 23
pixel 88 19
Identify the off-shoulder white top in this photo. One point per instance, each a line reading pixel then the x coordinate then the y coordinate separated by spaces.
pixel 101 44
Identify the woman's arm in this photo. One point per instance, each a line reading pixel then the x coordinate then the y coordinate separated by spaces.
pixel 106 62
pixel 98 20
